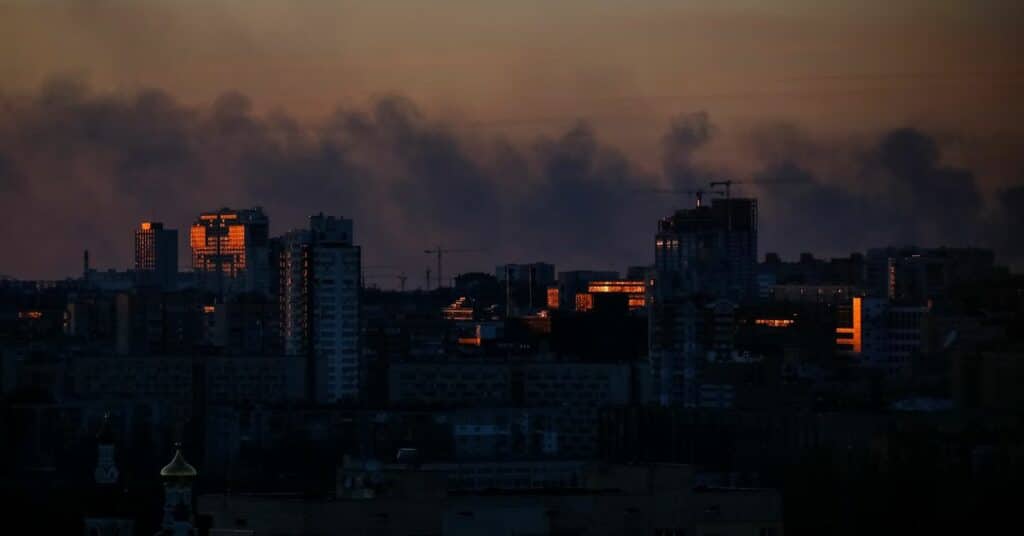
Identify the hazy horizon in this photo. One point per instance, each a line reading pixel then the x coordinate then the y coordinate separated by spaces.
pixel 523 129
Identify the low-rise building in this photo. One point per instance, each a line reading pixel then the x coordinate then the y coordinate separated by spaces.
pixel 598 499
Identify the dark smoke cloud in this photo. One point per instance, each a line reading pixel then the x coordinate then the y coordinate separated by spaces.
pixel 80 168
pixel 580 201
pixel 687 133
pixel 10 179
pixel 827 197
pixel 807 214
pixel 97 163
pixel 944 203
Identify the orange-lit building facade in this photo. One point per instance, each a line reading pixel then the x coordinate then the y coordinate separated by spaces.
pixel 552 294
pixel 636 291
pixel 562 295
pixel 584 302
pixel 229 249
pixel 461 309
pixel 156 255
pixel 885 335
pixel 851 337
pixel 774 322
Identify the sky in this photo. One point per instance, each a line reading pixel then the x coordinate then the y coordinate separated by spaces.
pixel 526 130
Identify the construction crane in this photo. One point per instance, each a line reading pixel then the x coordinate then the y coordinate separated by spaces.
pixel 440 253
pixel 728 183
pixel 699 193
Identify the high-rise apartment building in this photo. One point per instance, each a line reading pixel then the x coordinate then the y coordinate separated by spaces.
pixel 709 250
pixel 156 255
pixel 230 250
pixel 701 255
pixel 319 271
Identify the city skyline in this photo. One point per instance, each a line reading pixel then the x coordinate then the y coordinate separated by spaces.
pixel 460 267
pixel 880 124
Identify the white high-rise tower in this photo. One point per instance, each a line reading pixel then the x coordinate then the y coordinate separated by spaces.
pixel 320 282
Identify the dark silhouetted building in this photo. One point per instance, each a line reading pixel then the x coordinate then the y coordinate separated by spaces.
pixel 915 275
pixel 709 249
pixel 701 254
pixel 525 285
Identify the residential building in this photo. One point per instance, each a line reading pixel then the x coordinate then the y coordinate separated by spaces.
pixel 319 284
pixel 701 254
pixel 709 250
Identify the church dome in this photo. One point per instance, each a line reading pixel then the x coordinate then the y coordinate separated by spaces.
pixel 178 468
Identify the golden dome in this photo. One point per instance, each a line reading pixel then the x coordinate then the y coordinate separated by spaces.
pixel 178 468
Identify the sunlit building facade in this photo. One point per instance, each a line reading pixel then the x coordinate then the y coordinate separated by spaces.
pixel 880 334
pixel 635 291
pixel 156 255
pixel 230 250
pixel 319 270
pixel 573 282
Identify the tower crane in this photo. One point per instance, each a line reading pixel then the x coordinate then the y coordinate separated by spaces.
pixel 729 182
pixel 440 252
pixel 698 193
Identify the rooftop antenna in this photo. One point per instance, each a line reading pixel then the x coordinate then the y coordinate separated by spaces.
pixel 699 194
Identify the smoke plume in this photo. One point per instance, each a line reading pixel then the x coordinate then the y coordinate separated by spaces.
pixel 80 168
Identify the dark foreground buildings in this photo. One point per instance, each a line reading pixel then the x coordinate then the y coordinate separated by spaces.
pixel 706 393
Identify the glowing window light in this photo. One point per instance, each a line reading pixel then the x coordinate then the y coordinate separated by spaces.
pixel 553 298
pixel 853 334
pixel 624 287
pixel 774 322
pixel 584 302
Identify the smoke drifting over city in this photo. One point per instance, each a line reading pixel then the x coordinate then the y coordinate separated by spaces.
pixel 78 166
pixel 464 267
